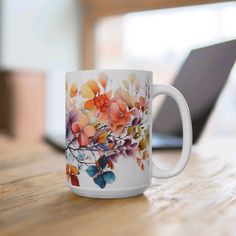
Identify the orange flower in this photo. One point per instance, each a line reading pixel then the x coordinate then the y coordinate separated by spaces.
pixel 97 102
pixel 83 130
pixel 71 172
pixel 119 115
pixel 73 90
pixel 102 102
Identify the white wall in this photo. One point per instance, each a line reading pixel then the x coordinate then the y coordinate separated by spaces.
pixel 43 35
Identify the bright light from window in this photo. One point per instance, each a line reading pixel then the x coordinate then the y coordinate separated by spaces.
pixel 159 40
pixel 156 34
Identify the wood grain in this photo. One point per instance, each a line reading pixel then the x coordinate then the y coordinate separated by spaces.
pixel 35 201
pixel 101 8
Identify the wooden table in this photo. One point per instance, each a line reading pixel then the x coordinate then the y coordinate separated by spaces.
pixel 34 199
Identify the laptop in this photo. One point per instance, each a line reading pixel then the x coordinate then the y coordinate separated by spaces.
pixel 201 80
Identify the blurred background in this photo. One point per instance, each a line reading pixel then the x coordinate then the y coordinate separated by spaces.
pixel 41 40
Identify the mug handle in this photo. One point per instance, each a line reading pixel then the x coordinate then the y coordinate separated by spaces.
pixel 157 171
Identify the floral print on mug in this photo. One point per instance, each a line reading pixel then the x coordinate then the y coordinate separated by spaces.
pixel 105 125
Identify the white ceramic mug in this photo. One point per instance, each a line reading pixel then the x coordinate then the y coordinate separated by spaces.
pixel 108 132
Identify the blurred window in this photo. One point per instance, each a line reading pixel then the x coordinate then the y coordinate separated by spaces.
pixel 159 40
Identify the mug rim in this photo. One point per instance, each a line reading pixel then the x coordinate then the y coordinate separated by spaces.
pixel 107 70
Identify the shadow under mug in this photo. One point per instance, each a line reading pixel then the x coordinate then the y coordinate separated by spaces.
pixel 108 132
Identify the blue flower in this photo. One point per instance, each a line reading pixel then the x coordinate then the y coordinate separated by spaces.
pixel 101 177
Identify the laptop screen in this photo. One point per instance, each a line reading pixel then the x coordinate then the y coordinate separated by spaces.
pixel 200 79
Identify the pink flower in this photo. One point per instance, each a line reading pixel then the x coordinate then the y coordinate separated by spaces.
pixel 83 129
pixel 119 115
pixel 142 104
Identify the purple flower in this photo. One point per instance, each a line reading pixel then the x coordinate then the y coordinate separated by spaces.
pixel 71 117
pixel 113 157
pixel 135 121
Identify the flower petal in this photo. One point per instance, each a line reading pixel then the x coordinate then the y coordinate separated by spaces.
pixel 119 93
pixel 134 112
pixel 74 170
pixel 114 111
pixel 132 77
pixel 83 139
pixel 122 121
pixel 67 169
pixel 92 171
pixel 142 167
pixel 109 177
pixel 137 85
pixel 127 143
pixel 138 161
pixel 130 152
pixel 142 101
pixel 75 127
pixel 102 161
pixel 104 117
pixel 89 104
pixel 109 94
pixel 86 91
pixel 111 145
pixel 125 83
pixel 89 130
pixel 143 144
pixel 145 155
pixel 83 120
pixel 126 97
pixel 119 129
pixel 130 130
pixel 102 78
pixel 114 107
pixel 93 85
pixel 122 106
pixel 135 121
pixel 99 180
pixel 104 147
pixel 74 180
pixel 102 137
pixel 114 157
pixel 129 100
pixel 113 126
pixel 73 90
